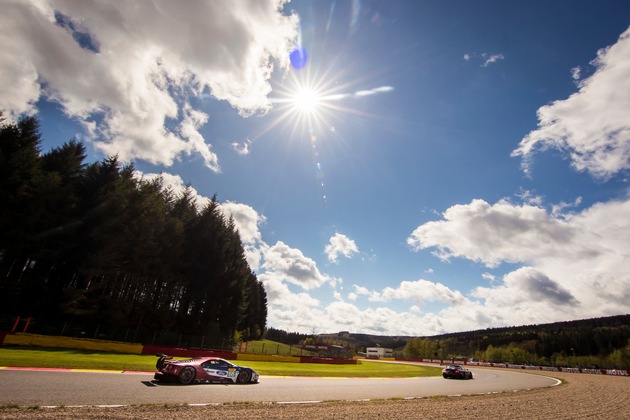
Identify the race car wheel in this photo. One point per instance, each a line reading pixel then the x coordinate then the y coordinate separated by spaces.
pixel 187 375
pixel 444 376
pixel 244 376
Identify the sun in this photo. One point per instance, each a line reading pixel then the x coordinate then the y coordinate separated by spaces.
pixel 306 100
pixel 313 103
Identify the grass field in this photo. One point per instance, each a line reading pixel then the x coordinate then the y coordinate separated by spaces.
pixel 363 370
pixel 81 359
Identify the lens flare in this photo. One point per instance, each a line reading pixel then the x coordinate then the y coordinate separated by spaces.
pixel 298 58
pixel 311 104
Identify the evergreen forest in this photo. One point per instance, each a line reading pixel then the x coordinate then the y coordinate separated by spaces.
pixel 96 248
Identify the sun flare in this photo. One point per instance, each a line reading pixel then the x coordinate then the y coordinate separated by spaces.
pixel 313 104
pixel 306 100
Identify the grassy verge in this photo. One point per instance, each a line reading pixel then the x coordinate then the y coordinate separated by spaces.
pixel 74 359
pixel 363 370
pixel 81 359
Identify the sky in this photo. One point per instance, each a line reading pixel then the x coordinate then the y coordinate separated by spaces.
pixel 393 167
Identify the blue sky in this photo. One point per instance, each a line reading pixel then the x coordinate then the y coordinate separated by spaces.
pixel 434 167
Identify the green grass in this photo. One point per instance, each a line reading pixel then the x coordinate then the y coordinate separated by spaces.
pixel 363 370
pixel 74 359
pixel 81 359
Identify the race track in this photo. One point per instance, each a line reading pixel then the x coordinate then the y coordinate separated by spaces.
pixel 55 388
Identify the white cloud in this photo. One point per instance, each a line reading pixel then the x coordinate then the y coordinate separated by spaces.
pixel 113 67
pixel 280 296
pixel 491 58
pixel 176 185
pixel 360 290
pixel 591 126
pixel 572 263
pixel 340 315
pixel 557 209
pixel 530 197
pixel 526 285
pixel 415 291
pixel 486 59
pixel 422 291
pixel 494 234
pixel 290 265
pixel 372 296
pixel 374 91
pixel 242 148
pixel 340 244
pixel 246 219
pixel 491 278
pixel 576 74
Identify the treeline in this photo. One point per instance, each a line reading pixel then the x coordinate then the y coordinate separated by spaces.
pixel 281 336
pixel 599 341
pixel 95 245
pixel 353 342
pixel 358 342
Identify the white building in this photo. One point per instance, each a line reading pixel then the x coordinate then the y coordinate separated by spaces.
pixel 378 352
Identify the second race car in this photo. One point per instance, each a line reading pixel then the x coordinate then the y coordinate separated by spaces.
pixel 456 371
pixel 202 370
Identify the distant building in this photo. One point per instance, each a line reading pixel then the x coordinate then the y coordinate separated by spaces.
pixel 378 352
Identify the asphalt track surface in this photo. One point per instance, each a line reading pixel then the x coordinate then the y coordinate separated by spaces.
pixel 71 388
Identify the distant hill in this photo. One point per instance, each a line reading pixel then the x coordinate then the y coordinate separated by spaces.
pixel 580 337
pixel 358 342
pixel 586 336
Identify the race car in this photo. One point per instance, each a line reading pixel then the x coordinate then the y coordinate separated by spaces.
pixel 202 370
pixel 456 371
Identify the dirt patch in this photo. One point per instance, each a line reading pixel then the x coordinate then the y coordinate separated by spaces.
pixel 580 396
